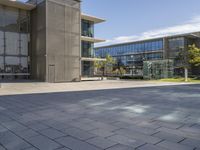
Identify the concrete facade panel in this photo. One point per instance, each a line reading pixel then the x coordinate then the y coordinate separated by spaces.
pixel 56 43
pixel 59 69
pixel 38 42
pixel 56 15
pixel 39 68
pixel 63 44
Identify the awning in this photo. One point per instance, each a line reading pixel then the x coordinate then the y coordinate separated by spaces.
pixel 92 18
pixel 90 39
pixel 92 59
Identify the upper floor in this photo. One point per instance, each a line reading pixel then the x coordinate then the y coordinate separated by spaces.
pixel 88 28
pixel 169 46
pixel 130 48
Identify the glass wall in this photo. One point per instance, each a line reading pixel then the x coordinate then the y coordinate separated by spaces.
pixel 130 60
pixel 87 28
pixel 87 49
pixel 130 48
pixel 14 41
pixel 87 69
pixel 175 45
pixel 158 69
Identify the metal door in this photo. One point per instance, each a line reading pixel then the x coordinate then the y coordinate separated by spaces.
pixel 51 73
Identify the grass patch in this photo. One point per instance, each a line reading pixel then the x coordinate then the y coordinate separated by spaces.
pixel 193 80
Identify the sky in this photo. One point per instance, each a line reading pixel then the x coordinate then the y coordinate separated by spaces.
pixel 131 20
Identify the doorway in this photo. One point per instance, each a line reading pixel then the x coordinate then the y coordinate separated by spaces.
pixel 51 74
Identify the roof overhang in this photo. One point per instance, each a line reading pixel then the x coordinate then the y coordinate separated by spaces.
pixel 92 18
pixel 92 59
pixel 17 4
pixel 90 39
pixel 193 35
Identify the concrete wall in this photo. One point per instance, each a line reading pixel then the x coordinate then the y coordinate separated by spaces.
pixel 63 41
pixel 56 41
pixel 38 42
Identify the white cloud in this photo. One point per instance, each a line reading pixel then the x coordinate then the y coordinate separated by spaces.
pixel 192 25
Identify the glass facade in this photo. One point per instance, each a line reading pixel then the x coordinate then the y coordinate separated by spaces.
pixel 175 45
pixel 130 48
pixel 14 41
pixel 133 53
pixel 87 28
pixel 158 69
pixel 87 49
pixel 87 68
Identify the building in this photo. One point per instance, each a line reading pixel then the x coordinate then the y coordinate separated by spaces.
pixel 46 40
pixel 133 54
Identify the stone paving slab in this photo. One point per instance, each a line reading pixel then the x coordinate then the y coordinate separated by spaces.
pixel 102 132
pixel 101 142
pixel 75 144
pixel 12 142
pixel 128 141
pixel 138 136
pixel 52 133
pixel 191 142
pixel 78 133
pixel 43 143
pixel 14 126
pixel 2 148
pixel 146 118
pixel 169 137
pixel 63 148
pixel 176 146
pixel 26 133
pixel 120 147
pixel 151 147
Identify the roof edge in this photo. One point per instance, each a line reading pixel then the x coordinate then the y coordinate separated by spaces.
pixel 149 39
pixel 92 18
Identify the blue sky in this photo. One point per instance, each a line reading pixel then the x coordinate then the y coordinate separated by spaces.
pixel 130 20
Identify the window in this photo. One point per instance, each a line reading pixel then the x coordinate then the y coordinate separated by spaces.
pixel 87 28
pixel 11 19
pixel 14 40
pixel 87 49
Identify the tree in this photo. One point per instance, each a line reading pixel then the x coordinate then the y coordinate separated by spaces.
pixel 188 57
pixel 194 55
pixel 102 64
pixel 120 71
pixel 183 60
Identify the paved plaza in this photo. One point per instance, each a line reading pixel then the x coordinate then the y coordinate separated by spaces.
pixel 154 117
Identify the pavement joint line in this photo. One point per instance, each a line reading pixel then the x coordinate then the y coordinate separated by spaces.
pixel 140 145
pixel 182 140
pixel 111 146
pixel 38 131
pixel 160 141
pixel 155 133
pixel 3 146
pixel 180 126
